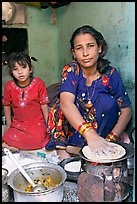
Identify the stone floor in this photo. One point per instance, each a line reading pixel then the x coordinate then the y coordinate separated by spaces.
pixel 70 193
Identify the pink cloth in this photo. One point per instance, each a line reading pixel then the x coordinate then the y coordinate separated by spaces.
pixel 28 129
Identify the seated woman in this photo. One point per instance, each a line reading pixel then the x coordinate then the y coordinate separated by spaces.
pixel 93 107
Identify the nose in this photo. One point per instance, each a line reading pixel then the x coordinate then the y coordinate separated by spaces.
pixel 19 70
pixel 85 51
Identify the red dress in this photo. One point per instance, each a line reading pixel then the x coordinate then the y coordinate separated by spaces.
pixel 28 128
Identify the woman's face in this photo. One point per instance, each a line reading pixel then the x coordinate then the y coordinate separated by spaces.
pixel 86 50
pixel 22 73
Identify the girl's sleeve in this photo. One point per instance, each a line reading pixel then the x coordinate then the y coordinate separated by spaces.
pixel 43 97
pixel 6 101
pixel 118 90
pixel 70 75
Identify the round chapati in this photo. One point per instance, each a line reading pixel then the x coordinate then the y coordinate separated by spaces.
pixel 117 154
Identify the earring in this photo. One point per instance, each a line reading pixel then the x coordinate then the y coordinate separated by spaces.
pixel 74 57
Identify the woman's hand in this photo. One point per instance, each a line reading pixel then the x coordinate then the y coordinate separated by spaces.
pixel 97 144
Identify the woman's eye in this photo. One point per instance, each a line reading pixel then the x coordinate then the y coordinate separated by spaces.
pixel 91 45
pixel 78 48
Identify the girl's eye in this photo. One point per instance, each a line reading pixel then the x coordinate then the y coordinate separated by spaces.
pixel 14 69
pixel 23 66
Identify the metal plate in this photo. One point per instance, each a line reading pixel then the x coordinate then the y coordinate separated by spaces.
pixel 129 152
pixel 8 12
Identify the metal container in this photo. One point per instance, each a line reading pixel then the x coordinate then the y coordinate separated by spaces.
pixel 72 175
pixel 5 188
pixel 38 170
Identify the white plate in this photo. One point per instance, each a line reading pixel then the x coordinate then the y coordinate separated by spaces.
pixel 10 166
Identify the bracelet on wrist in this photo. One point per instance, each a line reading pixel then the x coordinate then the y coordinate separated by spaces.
pixel 84 127
pixel 112 137
pixel 81 125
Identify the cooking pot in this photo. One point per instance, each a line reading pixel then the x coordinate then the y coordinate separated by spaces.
pixel 5 188
pixel 38 171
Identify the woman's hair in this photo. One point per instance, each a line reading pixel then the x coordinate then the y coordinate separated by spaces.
pixel 20 58
pixel 86 29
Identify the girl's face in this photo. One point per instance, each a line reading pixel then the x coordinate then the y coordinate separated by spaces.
pixel 86 50
pixel 22 73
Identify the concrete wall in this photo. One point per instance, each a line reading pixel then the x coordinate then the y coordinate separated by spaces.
pixel 43 43
pixel 50 30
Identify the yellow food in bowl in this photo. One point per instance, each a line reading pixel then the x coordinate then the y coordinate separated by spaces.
pixel 47 182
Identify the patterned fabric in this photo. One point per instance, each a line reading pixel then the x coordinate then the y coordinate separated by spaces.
pixel 28 129
pixel 99 104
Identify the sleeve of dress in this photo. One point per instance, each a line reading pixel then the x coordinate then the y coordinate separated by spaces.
pixel 43 97
pixel 6 100
pixel 118 90
pixel 70 77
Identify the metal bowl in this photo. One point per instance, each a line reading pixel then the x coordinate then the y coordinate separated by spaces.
pixel 71 175
pixel 38 170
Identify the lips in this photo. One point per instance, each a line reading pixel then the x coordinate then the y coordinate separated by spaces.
pixel 21 77
pixel 86 60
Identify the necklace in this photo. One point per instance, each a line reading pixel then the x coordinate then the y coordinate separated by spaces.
pixel 89 103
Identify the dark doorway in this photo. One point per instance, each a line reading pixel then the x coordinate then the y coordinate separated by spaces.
pixel 13 40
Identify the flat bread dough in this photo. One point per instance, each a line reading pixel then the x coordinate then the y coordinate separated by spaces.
pixel 120 152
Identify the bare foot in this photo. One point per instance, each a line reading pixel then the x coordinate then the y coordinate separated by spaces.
pixel 12 149
pixel 73 150
pixel 63 154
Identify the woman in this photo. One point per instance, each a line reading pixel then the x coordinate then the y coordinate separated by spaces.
pixel 93 106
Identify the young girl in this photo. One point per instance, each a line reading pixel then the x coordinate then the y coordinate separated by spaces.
pixel 93 106
pixel 25 104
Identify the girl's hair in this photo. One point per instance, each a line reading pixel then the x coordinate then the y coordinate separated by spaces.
pixel 20 58
pixel 101 63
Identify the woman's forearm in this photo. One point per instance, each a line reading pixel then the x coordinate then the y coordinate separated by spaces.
pixel 73 115
pixel 123 120
pixel 69 109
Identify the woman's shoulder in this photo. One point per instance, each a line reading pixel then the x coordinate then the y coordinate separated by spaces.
pixel 72 67
pixel 111 69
